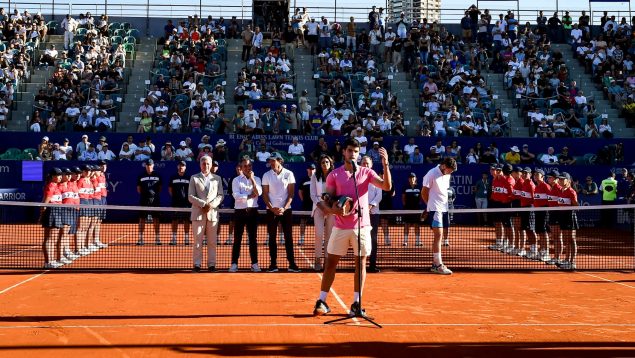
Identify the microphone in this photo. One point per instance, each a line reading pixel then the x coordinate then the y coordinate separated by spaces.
pixel 354 164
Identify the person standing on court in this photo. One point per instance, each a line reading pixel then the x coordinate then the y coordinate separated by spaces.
pixel 481 195
pixel 304 192
pixel 374 199
pixel 411 200
pixel 322 222
pixel 278 188
pixel 245 189
pixel 434 192
pixel 205 193
pixel 103 189
pixel 149 189
pixel 502 195
pixel 178 189
pixel 341 184
pixel 608 187
pixel 52 219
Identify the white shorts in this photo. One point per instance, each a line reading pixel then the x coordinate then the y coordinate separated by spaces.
pixel 342 239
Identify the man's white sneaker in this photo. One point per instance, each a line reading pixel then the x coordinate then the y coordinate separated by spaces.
pixel 64 261
pixel 100 244
pixel 233 268
pixel 446 242
pixel 418 242
pixel 509 250
pixel 70 255
pixel 92 248
pixel 255 268
pixel 83 251
pixel 440 269
pixel 521 253
pixel 52 265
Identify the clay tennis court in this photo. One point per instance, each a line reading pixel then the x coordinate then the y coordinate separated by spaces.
pixel 547 314
pixel 100 305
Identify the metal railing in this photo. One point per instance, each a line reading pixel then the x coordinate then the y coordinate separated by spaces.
pixel 181 9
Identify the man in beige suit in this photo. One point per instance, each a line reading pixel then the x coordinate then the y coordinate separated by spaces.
pixel 205 192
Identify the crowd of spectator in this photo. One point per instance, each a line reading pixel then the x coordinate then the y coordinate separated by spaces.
pixel 84 91
pixel 21 34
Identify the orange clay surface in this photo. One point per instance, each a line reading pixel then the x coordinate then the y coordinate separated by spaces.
pixel 162 314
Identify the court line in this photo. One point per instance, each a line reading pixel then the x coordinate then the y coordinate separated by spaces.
pixel 607 280
pixel 23 282
pixel 104 341
pixel 256 325
pixel 332 290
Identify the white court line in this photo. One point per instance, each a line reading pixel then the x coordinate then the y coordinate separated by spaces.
pixel 607 280
pixel 258 325
pixel 104 341
pixel 337 297
pixel 23 282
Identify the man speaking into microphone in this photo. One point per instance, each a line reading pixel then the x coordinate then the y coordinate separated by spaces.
pixel 341 200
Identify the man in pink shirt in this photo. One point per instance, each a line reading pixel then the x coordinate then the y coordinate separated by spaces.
pixel 340 184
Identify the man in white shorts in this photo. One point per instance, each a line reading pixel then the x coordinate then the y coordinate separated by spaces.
pixel 340 191
pixel 434 192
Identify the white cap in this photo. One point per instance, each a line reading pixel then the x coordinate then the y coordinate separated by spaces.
pixel 182 144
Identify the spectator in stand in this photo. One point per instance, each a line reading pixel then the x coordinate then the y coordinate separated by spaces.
pixel 262 155
pixel 89 155
pixel 526 157
pixel 564 158
pixel 167 152
pixel 105 153
pixel 184 152
pixel 126 153
pixel 296 151
pixel 513 156
pixel 432 158
pixel 142 151
pixel 549 158
pixel 589 187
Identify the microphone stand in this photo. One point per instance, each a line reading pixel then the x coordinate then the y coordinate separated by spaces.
pixel 361 314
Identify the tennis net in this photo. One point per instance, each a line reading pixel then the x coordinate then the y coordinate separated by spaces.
pixel 604 240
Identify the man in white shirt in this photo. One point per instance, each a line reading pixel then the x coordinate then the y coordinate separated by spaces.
pixel 69 25
pixel 549 158
pixel 296 150
pixel 359 135
pixel 246 188
pixel 278 189
pixel 58 153
pixel 105 153
pixel 378 95
pixel 410 147
pixel 256 41
pixel 384 123
pixel 175 123
pixel 183 153
pixel 345 111
pixel 434 192
pixel 262 155
pixel 251 117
